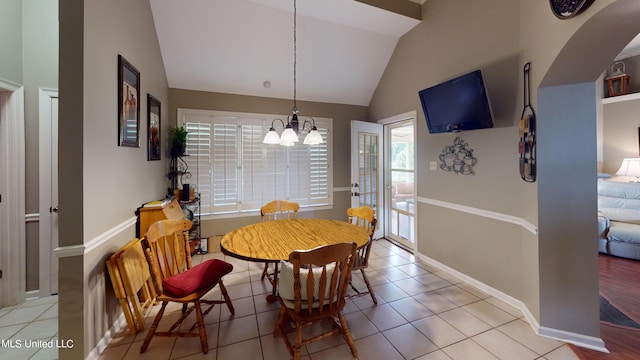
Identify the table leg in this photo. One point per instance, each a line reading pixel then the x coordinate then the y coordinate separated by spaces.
pixel 274 282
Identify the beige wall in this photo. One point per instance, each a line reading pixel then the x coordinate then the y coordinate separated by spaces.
pixel 435 51
pixel 11 40
pixel 29 57
pixel 101 184
pixel 40 66
pixel 519 263
pixel 620 133
pixel 341 115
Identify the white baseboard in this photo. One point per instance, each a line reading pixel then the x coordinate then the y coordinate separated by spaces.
pixel 106 339
pixel 588 342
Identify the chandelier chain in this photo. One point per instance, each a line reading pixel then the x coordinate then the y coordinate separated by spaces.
pixel 295 57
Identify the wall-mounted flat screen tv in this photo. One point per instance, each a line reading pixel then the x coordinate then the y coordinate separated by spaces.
pixel 457 104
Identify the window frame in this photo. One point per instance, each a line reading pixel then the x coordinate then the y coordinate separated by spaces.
pixel 325 125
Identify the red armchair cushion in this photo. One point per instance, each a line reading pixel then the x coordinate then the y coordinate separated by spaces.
pixel 198 277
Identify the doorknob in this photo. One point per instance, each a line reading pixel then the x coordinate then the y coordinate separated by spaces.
pixel 53 209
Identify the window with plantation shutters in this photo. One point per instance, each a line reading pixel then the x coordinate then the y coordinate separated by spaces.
pixel 235 172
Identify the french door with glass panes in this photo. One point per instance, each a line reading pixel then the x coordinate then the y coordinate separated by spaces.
pixel 366 168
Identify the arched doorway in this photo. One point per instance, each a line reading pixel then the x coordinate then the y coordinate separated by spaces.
pixel 567 168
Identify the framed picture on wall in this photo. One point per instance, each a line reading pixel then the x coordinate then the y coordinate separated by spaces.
pixel 153 128
pixel 128 104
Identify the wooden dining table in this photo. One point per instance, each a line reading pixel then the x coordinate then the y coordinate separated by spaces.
pixel 271 241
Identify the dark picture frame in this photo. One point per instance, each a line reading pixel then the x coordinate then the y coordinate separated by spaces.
pixel 154 148
pixel 128 104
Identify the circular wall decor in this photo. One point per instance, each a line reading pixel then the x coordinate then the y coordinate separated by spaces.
pixel 565 9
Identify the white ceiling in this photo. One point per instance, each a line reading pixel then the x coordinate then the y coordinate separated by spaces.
pixel 632 49
pixel 235 46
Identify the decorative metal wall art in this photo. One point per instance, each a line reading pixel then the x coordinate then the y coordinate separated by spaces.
pixel 527 131
pixel 458 158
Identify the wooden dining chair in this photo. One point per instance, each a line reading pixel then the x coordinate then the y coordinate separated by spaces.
pixel 277 210
pixel 365 218
pixel 312 288
pixel 175 280
pixel 132 283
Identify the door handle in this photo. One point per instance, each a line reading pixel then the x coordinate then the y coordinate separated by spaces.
pixel 54 209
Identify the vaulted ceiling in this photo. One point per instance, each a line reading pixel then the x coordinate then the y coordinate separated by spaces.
pixel 246 46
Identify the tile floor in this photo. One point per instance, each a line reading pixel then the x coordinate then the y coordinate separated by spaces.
pixel 422 313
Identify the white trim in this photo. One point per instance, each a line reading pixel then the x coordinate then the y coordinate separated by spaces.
pixel 9 85
pixel 83 249
pixel 588 342
pixel 343 189
pixel 409 115
pixel 233 215
pixel 32 217
pixel 560 335
pixel 621 98
pixel 481 212
pixel 12 187
pixel 106 338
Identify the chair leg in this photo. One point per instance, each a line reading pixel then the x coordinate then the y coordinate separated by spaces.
pixel 201 329
pixel 366 281
pixel 347 335
pixel 128 316
pixel 226 297
pixel 277 330
pixel 298 345
pixel 153 328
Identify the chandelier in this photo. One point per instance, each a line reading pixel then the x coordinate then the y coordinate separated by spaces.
pixel 290 134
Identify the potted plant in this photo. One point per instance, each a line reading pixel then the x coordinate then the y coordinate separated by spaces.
pixel 178 140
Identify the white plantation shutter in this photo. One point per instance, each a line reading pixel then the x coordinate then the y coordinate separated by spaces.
pixel 275 173
pixel 319 170
pixel 199 161
pixel 298 174
pixel 225 151
pixel 235 172
pixel 253 166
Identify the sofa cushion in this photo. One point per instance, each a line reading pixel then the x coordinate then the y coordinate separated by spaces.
pixel 619 201
pixel 624 232
pixel 620 214
pixel 603 226
pixel 198 277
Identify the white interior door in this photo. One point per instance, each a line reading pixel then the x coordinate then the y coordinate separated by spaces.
pixel 366 169
pixel 48 186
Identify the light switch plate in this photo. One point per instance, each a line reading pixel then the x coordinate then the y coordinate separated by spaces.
pixel 433 165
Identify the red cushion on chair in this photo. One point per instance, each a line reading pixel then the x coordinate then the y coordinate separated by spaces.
pixel 198 277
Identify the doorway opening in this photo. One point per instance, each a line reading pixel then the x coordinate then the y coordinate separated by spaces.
pixel 12 193
pixel 400 177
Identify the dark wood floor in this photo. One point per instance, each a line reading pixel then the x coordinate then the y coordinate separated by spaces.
pixel 620 285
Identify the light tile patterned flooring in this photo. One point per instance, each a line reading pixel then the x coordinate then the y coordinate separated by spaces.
pixel 422 313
